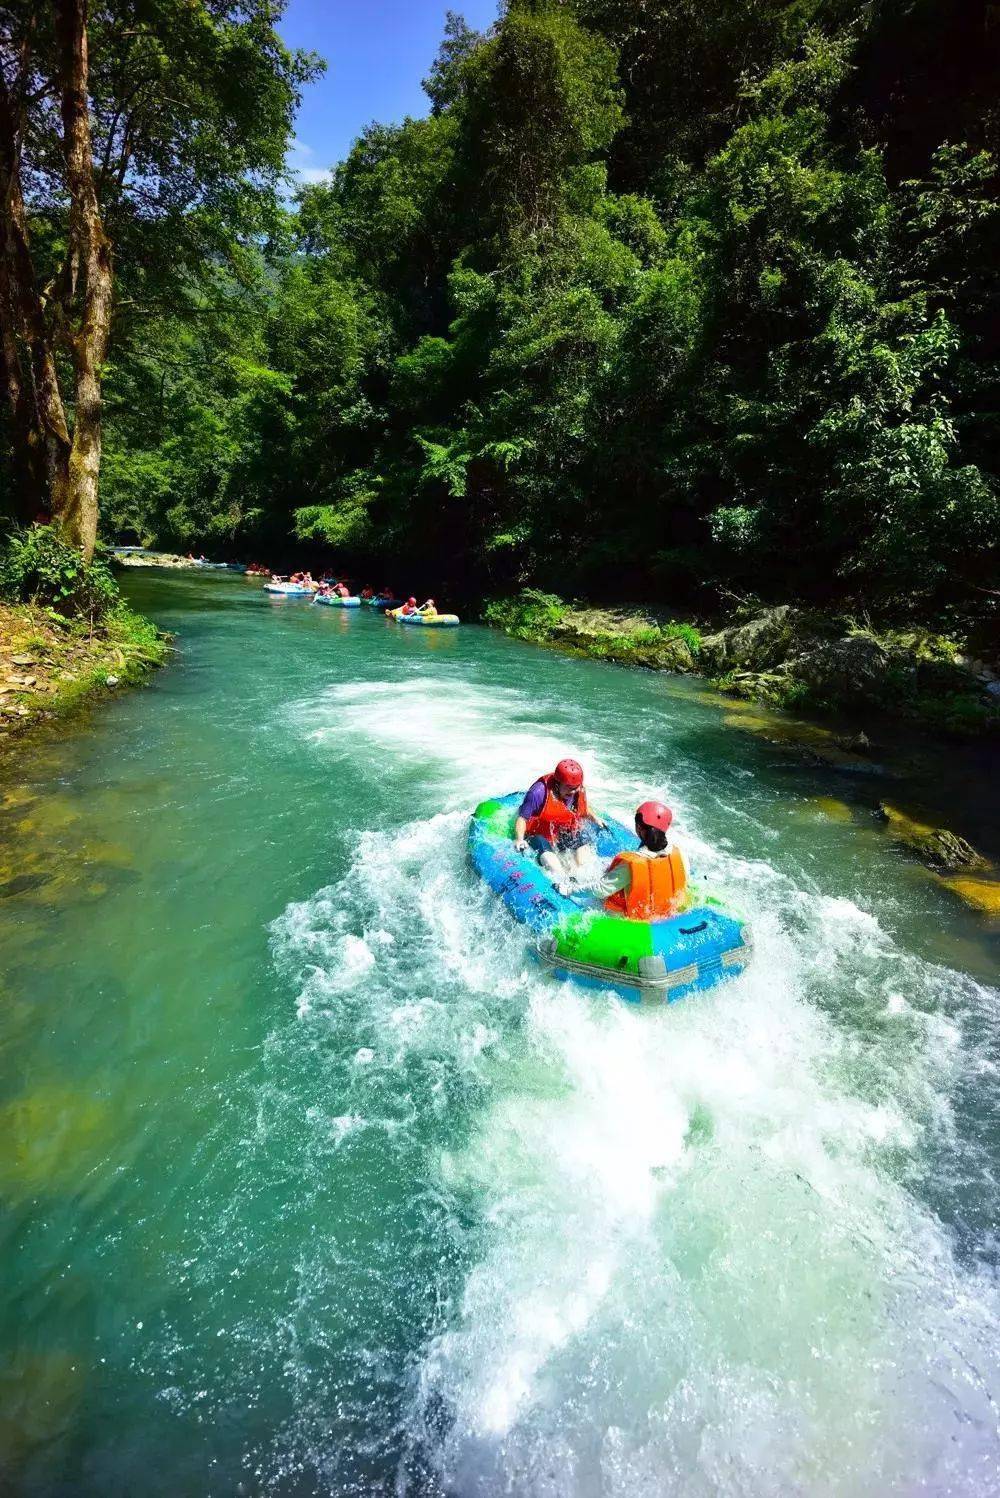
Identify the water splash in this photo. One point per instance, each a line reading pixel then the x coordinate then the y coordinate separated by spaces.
pixel 696 1256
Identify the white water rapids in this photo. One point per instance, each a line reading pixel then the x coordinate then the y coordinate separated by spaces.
pixel 697 1247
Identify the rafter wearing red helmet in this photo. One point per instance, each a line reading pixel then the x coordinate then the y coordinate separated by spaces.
pixel 651 883
pixel 556 822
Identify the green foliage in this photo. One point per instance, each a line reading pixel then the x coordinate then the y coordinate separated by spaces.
pixel 37 566
pixel 531 615
pixel 679 304
pixel 344 523
pixel 688 633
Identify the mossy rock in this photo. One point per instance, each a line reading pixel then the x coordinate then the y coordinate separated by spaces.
pixel 937 847
pixel 760 644
pixel 982 894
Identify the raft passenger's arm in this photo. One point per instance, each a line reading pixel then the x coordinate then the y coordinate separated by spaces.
pixel 614 881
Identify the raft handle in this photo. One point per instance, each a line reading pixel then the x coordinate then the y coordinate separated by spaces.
pixel 692 930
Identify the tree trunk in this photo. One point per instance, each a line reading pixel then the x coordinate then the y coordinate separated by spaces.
pixel 30 485
pixel 38 416
pixel 91 279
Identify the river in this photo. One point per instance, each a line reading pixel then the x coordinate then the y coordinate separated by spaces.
pixel 314 1184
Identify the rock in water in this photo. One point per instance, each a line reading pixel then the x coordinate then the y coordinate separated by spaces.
pixel 939 849
pixel 21 884
pixel 946 850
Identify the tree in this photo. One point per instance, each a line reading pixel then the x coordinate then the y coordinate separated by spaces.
pixel 140 124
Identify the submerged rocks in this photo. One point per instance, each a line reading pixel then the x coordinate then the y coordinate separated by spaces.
pixel 982 894
pixel 939 849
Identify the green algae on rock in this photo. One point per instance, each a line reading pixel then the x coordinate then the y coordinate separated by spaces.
pixel 939 849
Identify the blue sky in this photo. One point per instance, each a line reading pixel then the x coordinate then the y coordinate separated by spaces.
pixel 376 53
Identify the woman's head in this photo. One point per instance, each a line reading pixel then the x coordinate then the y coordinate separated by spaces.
pixel 652 823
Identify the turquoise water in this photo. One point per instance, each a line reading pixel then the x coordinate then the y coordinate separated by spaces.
pixel 312 1183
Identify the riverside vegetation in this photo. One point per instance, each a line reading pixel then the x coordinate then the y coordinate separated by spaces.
pixel 673 303
pixel 66 635
pixel 781 656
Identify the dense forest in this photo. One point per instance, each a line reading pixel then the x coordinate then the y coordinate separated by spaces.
pixel 663 299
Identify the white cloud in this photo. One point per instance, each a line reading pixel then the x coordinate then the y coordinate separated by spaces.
pixel 301 165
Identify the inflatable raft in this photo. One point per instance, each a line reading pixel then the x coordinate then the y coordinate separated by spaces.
pixel 288 590
pixel 334 601
pixel 382 603
pixel 436 621
pixel 576 938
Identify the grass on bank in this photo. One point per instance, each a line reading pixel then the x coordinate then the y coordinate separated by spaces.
pixel 613 635
pixel 66 634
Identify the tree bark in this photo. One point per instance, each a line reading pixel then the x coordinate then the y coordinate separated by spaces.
pixel 91 279
pixel 38 415
pixel 30 482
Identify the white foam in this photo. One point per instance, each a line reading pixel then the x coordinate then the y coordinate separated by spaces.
pixel 699 1263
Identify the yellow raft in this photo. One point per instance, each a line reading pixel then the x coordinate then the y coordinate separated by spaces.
pixel 428 621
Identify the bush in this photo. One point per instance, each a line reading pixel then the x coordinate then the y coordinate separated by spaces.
pixel 689 633
pixel 38 566
pixel 532 615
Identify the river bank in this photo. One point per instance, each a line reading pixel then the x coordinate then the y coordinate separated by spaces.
pixel 51 667
pixel 782 657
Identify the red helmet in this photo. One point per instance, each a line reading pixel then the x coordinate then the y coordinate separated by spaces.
pixel 655 814
pixel 411 600
pixel 568 772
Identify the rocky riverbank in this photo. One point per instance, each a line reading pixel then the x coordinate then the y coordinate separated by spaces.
pixel 153 559
pixel 783 657
pixel 51 666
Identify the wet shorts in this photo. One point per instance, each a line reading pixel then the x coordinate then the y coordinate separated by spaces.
pixel 566 842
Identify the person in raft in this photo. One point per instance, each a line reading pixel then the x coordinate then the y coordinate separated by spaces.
pixel 554 820
pixel 651 883
pixel 428 609
pixel 409 607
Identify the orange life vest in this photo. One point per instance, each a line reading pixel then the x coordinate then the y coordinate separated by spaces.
pixel 555 816
pixel 656 888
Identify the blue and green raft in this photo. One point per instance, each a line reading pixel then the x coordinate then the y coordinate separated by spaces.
pixel 576 938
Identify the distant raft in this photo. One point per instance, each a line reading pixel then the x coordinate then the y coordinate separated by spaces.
pixel 334 601
pixel 382 603
pixel 288 590
pixel 577 939
pixel 428 621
